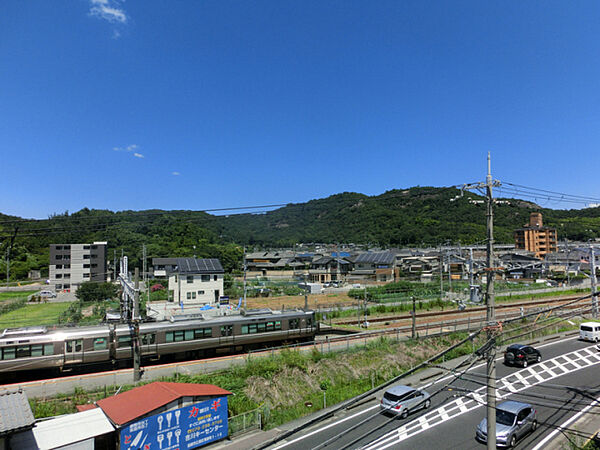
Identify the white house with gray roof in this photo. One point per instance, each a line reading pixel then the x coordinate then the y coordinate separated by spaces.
pixel 196 282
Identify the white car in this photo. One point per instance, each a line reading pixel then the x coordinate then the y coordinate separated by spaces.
pixel 47 294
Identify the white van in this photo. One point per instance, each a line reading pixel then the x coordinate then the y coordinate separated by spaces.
pixel 589 331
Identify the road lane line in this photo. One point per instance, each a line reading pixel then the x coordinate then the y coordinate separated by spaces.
pixel 326 427
pixel 565 424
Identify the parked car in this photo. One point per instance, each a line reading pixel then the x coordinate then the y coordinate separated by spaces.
pixel 513 421
pixel 589 331
pixel 47 294
pixel 522 355
pixel 402 400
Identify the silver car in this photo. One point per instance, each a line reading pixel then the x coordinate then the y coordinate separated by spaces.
pixel 401 400
pixel 513 421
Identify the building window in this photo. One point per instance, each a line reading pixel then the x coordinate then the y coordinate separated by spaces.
pixel 86 247
pixel 86 275
pixel 67 247
pixel 190 279
pixel 58 275
pixel 58 247
pixel 58 256
pixel 94 247
pixel 59 286
pixel 59 266
pixel 66 286
pixel 205 277
pixel 86 266
pixel 86 256
pixel 67 266
pixel 215 278
pixel 200 293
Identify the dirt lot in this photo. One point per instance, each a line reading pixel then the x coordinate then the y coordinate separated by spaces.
pixel 297 301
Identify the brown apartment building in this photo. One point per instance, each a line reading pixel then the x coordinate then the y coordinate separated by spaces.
pixel 535 237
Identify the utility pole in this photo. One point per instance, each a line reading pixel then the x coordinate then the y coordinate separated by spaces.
pixel 414 319
pixel 441 275
pixel 593 280
pixel 366 323
pixel 492 324
pixel 449 271
pixel 137 352
pixel 114 264
pixel 491 316
pixel 244 261
pixel 145 273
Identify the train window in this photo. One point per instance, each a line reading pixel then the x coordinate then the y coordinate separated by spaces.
pixel 148 339
pixel 278 324
pixel 261 327
pixel 124 341
pixel 48 349
pixel 202 333
pixel 23 351
pixel 169 336
pixel 8 353
pixel 189 335
pixel 37 350
pixel 251 328
pixel 294 324
pixel 99 344
pixel 178 335
pixel 226 330
pixel 308 322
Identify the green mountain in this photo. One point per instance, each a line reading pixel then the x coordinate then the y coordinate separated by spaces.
pixel 415 216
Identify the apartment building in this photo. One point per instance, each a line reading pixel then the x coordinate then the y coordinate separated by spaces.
pixel 72 264
pixel 535 237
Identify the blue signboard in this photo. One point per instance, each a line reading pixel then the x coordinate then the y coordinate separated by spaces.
pixel 179 429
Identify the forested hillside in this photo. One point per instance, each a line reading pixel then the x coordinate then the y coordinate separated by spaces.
pixel 412 217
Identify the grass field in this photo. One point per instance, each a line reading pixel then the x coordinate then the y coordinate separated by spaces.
pixel 43 314
pixel 11 295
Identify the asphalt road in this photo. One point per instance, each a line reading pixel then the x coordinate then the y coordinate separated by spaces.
pixel 451 420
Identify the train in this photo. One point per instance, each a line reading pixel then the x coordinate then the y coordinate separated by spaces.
pixel 33 348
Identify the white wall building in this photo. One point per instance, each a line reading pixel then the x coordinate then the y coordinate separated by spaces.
pixel 196 282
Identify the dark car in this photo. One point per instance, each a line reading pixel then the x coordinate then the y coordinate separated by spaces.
pixel 521 355
pixel 513 421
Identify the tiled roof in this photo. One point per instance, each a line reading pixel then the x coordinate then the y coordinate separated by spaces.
pixel 130 405
pixel 15 412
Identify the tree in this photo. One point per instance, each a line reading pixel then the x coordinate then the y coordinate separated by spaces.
pixel 91 291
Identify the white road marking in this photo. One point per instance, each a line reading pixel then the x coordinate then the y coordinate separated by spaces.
pixel 285 444
pixel 565 424
pixel 533 372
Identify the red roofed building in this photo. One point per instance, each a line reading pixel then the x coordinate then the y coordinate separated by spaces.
pixel 155 398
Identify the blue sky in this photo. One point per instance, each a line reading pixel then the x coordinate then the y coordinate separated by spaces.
pixel 208 104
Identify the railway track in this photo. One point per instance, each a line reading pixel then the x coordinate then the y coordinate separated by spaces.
pixel 470 311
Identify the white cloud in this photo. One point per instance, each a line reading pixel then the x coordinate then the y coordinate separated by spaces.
pixel 129 149
pixel 109 10
pixel 175 174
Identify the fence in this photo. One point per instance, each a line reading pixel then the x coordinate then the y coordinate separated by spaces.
pixel 242 423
